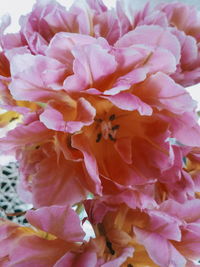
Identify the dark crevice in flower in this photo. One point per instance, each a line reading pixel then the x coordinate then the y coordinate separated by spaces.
pixel 115 127
pixel 111 137
pixel 109 246
pixel 98 139
pixel 112 117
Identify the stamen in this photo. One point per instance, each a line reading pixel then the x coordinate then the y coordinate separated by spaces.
pixel 111 137
pixel 13 119
pixel 129 265
pixel 109 245
pixel 115 127
pixel 112 117
pixel 99 135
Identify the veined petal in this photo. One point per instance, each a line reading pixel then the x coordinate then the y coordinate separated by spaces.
pixel 92 63
pixel 34 76
pixel 61 221
pixel 160 37
pixel 127 101
pixel 159 249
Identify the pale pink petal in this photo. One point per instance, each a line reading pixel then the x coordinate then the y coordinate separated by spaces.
pixel 165 225
pixel 130 102
pixel 189 47
pixel 185 128
pixel 53 119
pixel 16 51
pixel 11 40
pixel 124 82
pixel 160 37
pixel 190 243
pixel 61 221
pixel 34 76
pixel 97 5
pixel 189 211
pixel 161 60
pixel 83 17
pixel 162 92
pixel 130 13
pixel 62 175
pixel 91 64
pixel 107 25
pixel 24 135
pixel 62 44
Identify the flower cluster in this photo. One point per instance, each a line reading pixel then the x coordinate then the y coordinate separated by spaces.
pixel 104 125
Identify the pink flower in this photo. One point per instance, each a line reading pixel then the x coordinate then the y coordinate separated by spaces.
pixel 47 18
pixel 40 151
pixel 170 17
pixel 58 231
pixel 172 227
pixel 56 240
pixel 103 114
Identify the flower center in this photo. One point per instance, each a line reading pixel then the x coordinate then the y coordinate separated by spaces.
pixel 107 130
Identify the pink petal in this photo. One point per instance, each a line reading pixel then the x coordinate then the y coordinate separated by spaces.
pixel 107 25
pixel 160 37
pixel 34 76
pixel 91 64
pixel 159 249
pixel 189 211
pixel 124 148
pixel 24 135
pixel 166 94
pixel 130 102
pixel 62 43
pixel 81 143
pixel 53 119
pixel 60 221
pixel 84 259
pixel 165 225
pixel 185 128
pixel 36 251
pixel 62 175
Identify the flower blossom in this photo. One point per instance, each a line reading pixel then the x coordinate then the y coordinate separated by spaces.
pixel 101 110
pixel 172 227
